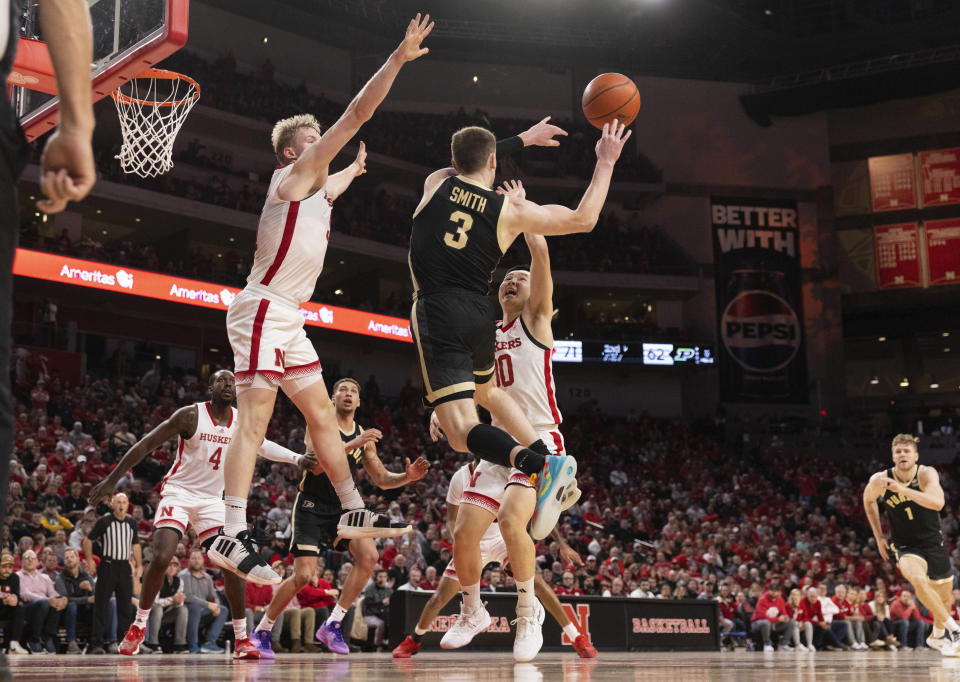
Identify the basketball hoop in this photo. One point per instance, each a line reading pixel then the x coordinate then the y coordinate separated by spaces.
pixel 150 118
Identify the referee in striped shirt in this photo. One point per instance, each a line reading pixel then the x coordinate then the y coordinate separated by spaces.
pixel 117 533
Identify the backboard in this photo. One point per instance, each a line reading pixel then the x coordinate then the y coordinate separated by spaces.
pixel 129 36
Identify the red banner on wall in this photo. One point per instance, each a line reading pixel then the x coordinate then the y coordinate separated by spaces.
pixel 898 255
pixel 124 280
pixel 940 177
pixel 892 182
pixel 943 251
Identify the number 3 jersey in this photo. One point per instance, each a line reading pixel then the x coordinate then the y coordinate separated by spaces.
pixel 197 469
pixel 455 241
pixel 524 369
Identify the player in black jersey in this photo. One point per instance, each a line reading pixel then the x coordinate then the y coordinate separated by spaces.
pixel 911 497
pixel 461 228
pixel 316 512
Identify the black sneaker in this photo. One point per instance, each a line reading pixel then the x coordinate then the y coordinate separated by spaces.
pixel 238 554
pixel 363 523
pixel 96 651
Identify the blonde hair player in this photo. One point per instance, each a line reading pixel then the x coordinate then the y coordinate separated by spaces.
pixel 271 349
pixel 911 496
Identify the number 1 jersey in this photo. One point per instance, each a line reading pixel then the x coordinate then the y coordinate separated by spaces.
pixel 197 470
pixel 455 242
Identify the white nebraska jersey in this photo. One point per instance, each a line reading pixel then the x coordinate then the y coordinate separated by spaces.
pixel 292 239
pixel 197 470
pixel 458 484
pixel 524 369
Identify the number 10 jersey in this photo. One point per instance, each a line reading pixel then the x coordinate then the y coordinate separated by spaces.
pixel 524 369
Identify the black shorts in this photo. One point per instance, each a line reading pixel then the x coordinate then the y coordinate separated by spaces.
pixel 315 527
pixel 938 561
pixel 455 333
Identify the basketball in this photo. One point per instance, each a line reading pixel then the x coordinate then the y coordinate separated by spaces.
pixel 609 96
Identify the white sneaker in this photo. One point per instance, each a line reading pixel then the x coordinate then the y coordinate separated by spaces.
pixel 363 523
pixel 808 647
pixel 468 626
pixel 950 644
pixel 529 637
pixel 786 647
pixel 768 648
pixel 238 555
pixel 15 648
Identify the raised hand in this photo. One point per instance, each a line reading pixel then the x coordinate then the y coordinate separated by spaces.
pixel 611 141
pixel 541 134
pixel 100 492
pixel 417 470
pixel 361 161
pixel 369 435
pixel 409 49
pixel 436 431
pixel 67 172
pixel 512 188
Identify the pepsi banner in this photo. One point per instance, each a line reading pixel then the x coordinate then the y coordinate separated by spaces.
pixel 610 623
pixel 756 254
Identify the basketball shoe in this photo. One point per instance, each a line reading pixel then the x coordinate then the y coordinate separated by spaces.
pixel 363 523
pixel 130 646
pixel 468 625
pixel 551 486
pixel 406 648
pixel 244 650
pixel 529 636
pixel 239 555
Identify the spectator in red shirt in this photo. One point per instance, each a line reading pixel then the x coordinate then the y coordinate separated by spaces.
pixel 907 621
pixel 770 616
pixel 840 625
pixel 567 585
pixel 429 581
pixel 258 596
pixel 728 611
pixel 812 623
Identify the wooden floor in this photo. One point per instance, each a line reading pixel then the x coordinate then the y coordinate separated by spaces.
pixel 492 667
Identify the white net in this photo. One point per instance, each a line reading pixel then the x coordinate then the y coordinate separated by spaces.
pixel 152 107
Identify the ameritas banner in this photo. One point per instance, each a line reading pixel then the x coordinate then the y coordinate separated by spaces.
pixel 756 254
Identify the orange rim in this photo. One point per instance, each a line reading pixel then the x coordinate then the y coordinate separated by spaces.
pixel 163 74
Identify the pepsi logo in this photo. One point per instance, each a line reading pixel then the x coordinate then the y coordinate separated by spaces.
pixel 760 331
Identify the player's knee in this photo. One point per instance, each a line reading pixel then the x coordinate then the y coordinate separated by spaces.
pixel 513 524
pixel 301 576
pixel 319 414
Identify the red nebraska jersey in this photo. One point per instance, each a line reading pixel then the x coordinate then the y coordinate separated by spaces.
pixel 197 470
pixel 458 485
pixel 524 369
pixel 292 239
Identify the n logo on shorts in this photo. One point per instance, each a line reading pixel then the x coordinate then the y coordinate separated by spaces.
pixel 473 478
pixel 280 357
pixel 166 511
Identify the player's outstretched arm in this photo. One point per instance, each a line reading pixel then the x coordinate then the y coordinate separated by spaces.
pixel 385 480
pixel 338 183
pixel 183 422
pixel 552 219
pixel 67 171
pixel 277 453
pixel 310 169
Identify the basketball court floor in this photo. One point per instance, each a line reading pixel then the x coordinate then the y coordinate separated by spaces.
pixel 496 667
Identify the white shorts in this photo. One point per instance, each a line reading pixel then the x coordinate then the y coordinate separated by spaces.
pixel 489 481
pixel 268 338
pixel 176 509
pixel 492 550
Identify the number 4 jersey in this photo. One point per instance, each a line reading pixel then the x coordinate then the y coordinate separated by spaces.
pixel 524 369
pixel 197 470
pixel 455 241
